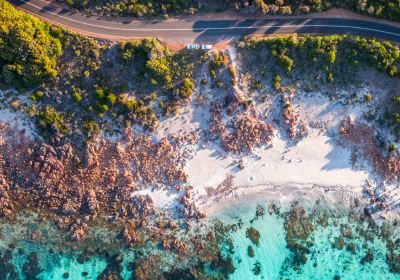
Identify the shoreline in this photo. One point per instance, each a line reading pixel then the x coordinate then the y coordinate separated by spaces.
pixel 286 195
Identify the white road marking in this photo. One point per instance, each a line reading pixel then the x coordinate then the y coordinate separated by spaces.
pixel 213 28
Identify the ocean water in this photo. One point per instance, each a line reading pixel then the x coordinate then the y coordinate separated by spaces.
pixel 55 265
pixel 323 261
pixel 272 258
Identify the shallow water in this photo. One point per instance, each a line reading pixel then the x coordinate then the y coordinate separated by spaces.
pixel 324 262
pixel 271 256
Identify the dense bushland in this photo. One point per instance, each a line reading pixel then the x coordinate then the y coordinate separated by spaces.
pixel 388 9
pixel 330 54
pixel 28 48
pixel 79 85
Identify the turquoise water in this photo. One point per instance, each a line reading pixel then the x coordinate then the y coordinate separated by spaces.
pixel 271 252
pixel 324 262
pixel 272 258
pixel 54 265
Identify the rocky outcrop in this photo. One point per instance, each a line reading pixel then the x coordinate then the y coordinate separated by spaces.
pixel 78 231
pixel 241 134
pixel 253 235
pixel 81 184
pixel 49 163
pixel 364 142
pixel 6 205
pixel 189 208
pixel 298 227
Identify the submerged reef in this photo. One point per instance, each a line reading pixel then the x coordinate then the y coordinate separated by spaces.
pixel 294 243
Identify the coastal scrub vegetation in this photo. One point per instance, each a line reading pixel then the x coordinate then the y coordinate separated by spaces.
pixel 328 54
pixel 82 85
pixel 129 83
pixel 327 59
pixel 29 48
pixel 388 9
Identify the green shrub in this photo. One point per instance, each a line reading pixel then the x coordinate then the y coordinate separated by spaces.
pixel 39 94
pixel 392 70
pixel 329 77
pixel 77 97
pixel 389 9
pixel 392 147
pixel 220 60
pixel 50 119
pixel 368 97
pixel 36 96
pixel 153 96
pixel 100 94
pixel 111 98
pixel 187 88
pixel 104 108
pixel 91 127
pixel 159 68
pixel 28 50
pixel 213 75
pixel 76 94
pixel 277 82
pixel 286 62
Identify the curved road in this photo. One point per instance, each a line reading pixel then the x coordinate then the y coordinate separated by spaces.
pixel 200 30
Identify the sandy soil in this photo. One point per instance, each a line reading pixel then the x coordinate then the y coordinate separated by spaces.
pixel 313 161
pixel 316 167
pixel 15 118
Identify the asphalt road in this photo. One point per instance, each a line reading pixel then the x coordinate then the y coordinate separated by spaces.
pixel 199 30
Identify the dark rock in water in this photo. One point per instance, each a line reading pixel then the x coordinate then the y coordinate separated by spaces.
pixel 393 261
pixel 82 258
pixel 337 277
pixel 84 273
pixel 260 211
pixel 323 218
pixel 224 265
pixel 339 242
pixel 66 275
pixel 298 227
pixel 183 274
pixel 257 268
pixel 299 259
pixel 369 257
pixel 250 251
pixel 386 231
pixel 273 209
pixel 113 269
pixel 31 269
pixel 7 269
pixel 147 269
pixel 234 227
pixel 351 248
pixel 367 212
pixel 347 231
pixel 253 235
